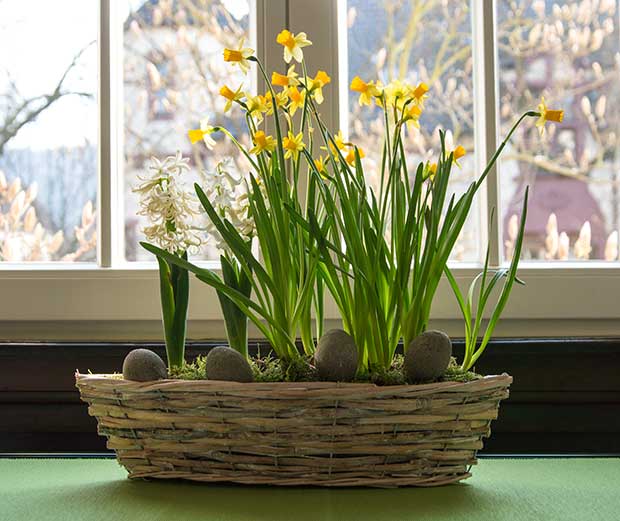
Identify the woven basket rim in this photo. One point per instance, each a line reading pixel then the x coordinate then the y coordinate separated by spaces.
pixel 109 380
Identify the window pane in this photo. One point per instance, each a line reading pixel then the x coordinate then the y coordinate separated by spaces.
pixel 566 51
pixel 414 42
pixel 48 130
pixel 173 71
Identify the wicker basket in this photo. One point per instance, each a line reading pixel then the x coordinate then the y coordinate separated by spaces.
pixel 323 434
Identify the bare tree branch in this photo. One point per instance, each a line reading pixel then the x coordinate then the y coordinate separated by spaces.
pixel 20 114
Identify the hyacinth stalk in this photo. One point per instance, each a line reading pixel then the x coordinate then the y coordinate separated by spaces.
pixel 174 294
pixel 169 209
pixel 230 201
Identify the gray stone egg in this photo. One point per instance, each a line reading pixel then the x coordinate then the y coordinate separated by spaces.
pixel 224 363
pixel 336 357
pixel 427 356
pixel 143 365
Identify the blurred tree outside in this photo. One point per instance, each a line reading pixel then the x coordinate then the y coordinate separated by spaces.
pixel 47 184
pixel 566 51
pixel 173 71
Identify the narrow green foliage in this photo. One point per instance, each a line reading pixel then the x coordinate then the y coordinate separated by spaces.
pixel 473 309
pixel 382 257
pixel 379 251
pixel 235 319
pixel 174 294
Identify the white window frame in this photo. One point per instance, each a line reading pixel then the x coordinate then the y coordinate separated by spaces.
pixel 119 300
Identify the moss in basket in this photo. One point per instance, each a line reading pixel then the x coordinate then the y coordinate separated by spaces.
pixel 455 373
pixel 195 370
pixel 264 369
pixel 393 375
pixel 267 369
pixel 271 369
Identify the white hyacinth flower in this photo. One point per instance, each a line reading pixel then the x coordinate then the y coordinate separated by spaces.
pixel 228 195
pixel 168 206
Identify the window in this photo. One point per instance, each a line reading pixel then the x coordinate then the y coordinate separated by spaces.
pixel 48 131
pixel 161 72
pixel 568 52
pixel 172 73
pixel 417 42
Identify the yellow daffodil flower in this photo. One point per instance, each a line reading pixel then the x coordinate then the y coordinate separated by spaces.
pixel 256 106
pixel 281 80
pixel 350 158
pixel 430 169
pixel 293 144
pixel 263 143
pixel 547 115
pixel 419 93
pixel 239 56
pixel 285 80
pixel 281 100
pixel 412 115
pixel 367 91
pixel 296 99
pixel 340 143
pixel 315 85
pixel 457 154
pixel 321 165
pixel 292 76
pixel 202 134
pixel 397 93
pixel 293 44
pixel 231 96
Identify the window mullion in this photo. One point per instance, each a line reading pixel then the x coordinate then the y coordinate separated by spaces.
pixel 320 21
pixel 271 18
pixel 111 158
pixel 104 192
pixel 485 118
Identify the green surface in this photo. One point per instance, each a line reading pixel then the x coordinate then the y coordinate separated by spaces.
pixel 501 489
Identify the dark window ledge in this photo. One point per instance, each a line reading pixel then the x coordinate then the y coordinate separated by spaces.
pixel 565 398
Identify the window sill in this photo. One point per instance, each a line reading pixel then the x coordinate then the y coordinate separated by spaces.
pixel 565 395
pixel 131 292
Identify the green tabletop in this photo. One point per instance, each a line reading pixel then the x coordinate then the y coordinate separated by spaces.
pixel 584 489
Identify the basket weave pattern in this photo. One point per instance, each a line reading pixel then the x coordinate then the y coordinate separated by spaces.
pixel 318 433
